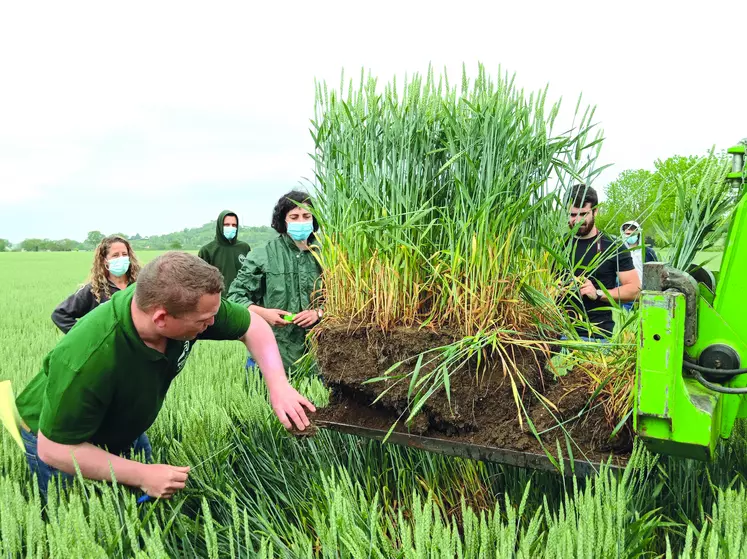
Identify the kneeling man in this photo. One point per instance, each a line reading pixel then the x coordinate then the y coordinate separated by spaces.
pixel 104 383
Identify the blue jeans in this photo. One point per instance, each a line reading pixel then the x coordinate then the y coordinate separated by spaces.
pixel 44 472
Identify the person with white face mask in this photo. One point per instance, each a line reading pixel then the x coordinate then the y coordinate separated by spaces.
pixel 631 234
pixel 279 280
pixel 115 266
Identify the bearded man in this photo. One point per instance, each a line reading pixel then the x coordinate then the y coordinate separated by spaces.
pixel 597 262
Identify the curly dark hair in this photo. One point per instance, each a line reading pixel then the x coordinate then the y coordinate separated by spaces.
pixel 286 203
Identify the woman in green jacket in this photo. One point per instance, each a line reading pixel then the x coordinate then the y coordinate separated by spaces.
pixel 283 277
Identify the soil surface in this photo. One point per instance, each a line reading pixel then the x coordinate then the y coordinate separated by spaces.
pixel 483 407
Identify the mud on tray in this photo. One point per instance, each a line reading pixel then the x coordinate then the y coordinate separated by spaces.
pixel 482 409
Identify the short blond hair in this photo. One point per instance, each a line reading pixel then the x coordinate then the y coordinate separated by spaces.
pixel 176 281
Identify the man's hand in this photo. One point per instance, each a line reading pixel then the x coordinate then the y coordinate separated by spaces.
pixel 288 405
pixel 588 290
pixel 306 319
pixel 162 481
pixel 273 317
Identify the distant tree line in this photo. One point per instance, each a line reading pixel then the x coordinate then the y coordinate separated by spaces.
pixel 187 239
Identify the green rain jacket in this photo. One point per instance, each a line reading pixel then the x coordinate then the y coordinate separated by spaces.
pixel 227 256
pixel 279 275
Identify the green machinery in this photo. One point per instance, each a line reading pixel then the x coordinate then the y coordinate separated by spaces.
pixel 690 378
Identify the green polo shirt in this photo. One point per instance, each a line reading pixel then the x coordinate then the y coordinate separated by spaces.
pixel 101 384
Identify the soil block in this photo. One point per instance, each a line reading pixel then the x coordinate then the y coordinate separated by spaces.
pixel 482 408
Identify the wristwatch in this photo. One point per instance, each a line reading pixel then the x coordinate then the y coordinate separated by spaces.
pixel 600 293
pixel 319 313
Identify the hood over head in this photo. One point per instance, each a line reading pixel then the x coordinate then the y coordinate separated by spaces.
pixel 635 225
pixel 628 224
pixel 219 236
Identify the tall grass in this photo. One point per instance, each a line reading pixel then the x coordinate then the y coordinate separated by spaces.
pixel 441 207
pixel 256 491
pixel 702 212
pixel 435 201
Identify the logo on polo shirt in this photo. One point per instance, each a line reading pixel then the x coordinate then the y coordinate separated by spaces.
pixel 242 257
pixel 183 357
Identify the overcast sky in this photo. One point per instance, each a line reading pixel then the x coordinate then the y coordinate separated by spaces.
pixel 149 117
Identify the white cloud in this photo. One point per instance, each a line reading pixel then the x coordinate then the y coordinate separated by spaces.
pixel 173 171
pixel 145 98
pixel 27 171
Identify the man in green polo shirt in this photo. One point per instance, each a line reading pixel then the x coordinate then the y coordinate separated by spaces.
pixel 104 383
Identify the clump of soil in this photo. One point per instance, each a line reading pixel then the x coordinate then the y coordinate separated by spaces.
pixel 482 409
pixel 309 431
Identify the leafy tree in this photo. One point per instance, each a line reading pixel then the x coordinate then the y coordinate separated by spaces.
pixel 36 245
pixel 4 245
pixel 32 245
pixel 94 238
pixel 664 184
pixel 629 196
pixel 176 245
pixel 67 245
pixel 649 198
pixel 701 215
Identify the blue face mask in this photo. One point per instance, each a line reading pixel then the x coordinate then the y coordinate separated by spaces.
pixel 119 266
pixel 631 240
pixel 300 231
pixel 229 232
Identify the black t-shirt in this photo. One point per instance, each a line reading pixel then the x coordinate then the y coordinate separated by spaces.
pixel 598 260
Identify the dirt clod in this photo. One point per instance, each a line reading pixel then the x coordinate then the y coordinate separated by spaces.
pixel 482 408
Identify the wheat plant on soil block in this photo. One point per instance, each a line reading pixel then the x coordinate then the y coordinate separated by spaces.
pixel 443 235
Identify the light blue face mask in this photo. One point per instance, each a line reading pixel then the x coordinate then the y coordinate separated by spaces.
pixel 631 240
pixel 229 232
pixel 300 231
pixel 119 266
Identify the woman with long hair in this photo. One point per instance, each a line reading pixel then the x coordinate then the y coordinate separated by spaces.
pixel 115 266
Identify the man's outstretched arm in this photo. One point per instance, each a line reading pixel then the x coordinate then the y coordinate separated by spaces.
pixel 157 480
pixel 286 401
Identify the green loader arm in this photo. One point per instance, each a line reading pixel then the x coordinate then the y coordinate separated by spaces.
pixel 690 384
